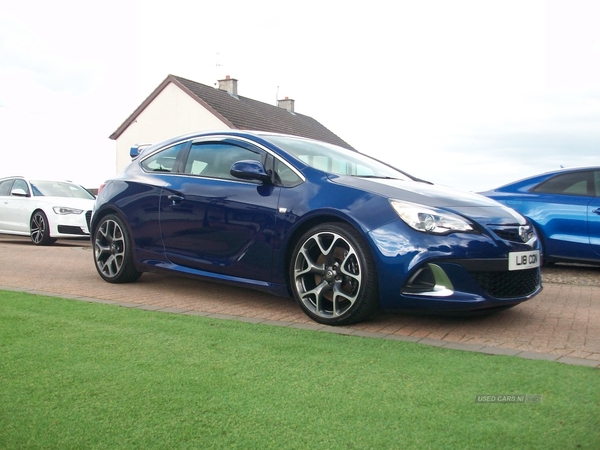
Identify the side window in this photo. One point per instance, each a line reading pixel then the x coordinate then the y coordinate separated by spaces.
pixel 578 183
pixel 284 175
pixel 215 159
pixel 597 182
pixel 21 186
pixel 164 160
pixel 5 187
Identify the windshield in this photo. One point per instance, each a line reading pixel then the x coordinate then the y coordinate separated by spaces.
pixel 333 159
pixel 59 189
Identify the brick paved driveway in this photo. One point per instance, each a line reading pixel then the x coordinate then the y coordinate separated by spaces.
pixel 562 323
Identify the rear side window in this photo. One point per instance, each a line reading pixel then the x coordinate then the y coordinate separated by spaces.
pixel 164 160
pixel 577 183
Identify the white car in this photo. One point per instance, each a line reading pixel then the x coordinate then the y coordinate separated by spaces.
pixel 45 210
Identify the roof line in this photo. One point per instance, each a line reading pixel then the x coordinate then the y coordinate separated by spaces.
pixel 175 81
pixel 170 79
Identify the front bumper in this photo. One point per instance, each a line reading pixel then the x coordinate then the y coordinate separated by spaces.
pixel 459 272
pixel 70 225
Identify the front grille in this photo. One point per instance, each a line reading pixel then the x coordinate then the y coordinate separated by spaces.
pixel 509 235
pixel 88 218
pixel 509 284
pixel 512 233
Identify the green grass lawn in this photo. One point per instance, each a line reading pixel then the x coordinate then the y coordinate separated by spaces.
pixel 77 375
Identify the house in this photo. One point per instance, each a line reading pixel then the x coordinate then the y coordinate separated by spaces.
pixel 179 106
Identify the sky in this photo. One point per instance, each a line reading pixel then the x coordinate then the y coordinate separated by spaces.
pixel 468 94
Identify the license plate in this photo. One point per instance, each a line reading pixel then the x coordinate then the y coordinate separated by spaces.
pixel 523 260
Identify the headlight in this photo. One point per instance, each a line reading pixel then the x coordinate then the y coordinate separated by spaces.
pixel 429 220
pixel 63 210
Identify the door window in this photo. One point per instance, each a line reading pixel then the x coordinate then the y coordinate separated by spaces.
pixel 215 159
pixel 21 186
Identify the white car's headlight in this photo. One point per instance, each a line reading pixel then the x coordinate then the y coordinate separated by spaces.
pixel 63 210
pixel 429 220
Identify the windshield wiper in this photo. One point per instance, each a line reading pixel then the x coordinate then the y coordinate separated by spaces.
pixel 376 176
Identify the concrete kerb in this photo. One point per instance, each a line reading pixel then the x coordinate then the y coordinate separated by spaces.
pixel 329 329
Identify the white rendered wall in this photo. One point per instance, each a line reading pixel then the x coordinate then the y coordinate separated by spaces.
pixel 171 113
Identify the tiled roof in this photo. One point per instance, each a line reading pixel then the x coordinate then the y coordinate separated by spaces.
pixel 243 113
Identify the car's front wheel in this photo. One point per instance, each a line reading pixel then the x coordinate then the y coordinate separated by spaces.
pixel 40 229
pixel 332 275
pixel 113 253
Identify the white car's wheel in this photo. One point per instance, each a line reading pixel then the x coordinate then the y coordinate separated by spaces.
pixel 40 229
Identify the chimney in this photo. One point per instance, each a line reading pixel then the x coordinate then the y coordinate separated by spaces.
pixel 230 85
pixel 286 103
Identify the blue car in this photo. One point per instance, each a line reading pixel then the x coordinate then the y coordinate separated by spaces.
pixel 564 207
pixel 344 234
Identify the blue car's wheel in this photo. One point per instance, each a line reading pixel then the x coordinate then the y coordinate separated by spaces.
pixel 333 275
pixel 113 252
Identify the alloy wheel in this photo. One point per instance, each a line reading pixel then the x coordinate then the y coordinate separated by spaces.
pixel 39 228
pixel 109 248
pixel 327 274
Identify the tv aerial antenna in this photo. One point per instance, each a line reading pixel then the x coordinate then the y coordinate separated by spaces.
pixel 217 65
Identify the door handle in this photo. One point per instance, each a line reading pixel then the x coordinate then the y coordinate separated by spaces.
pixel 596 211
pixel 175 199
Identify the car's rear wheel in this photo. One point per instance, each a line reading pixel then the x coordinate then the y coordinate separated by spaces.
pixel 113 252
pixel 40 229
pixel 332 275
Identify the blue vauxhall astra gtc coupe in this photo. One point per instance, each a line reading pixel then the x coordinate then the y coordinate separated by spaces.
pixel 564 207
pixel 342 233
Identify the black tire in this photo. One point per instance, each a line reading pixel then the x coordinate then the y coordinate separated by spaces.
pixel 113 251
pixel 333 276
pixel 39 229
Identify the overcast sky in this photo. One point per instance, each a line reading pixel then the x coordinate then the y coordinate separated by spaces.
pixel 470 94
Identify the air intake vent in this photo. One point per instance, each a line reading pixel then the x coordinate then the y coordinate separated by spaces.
pixel 517 283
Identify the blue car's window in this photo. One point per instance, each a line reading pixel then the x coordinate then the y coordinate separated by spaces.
pixel 164 160
pixel 333 159
pixel 576 183
pixel 215 159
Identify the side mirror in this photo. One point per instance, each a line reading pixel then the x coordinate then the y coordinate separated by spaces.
pixel 19 192
pixel 250 170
